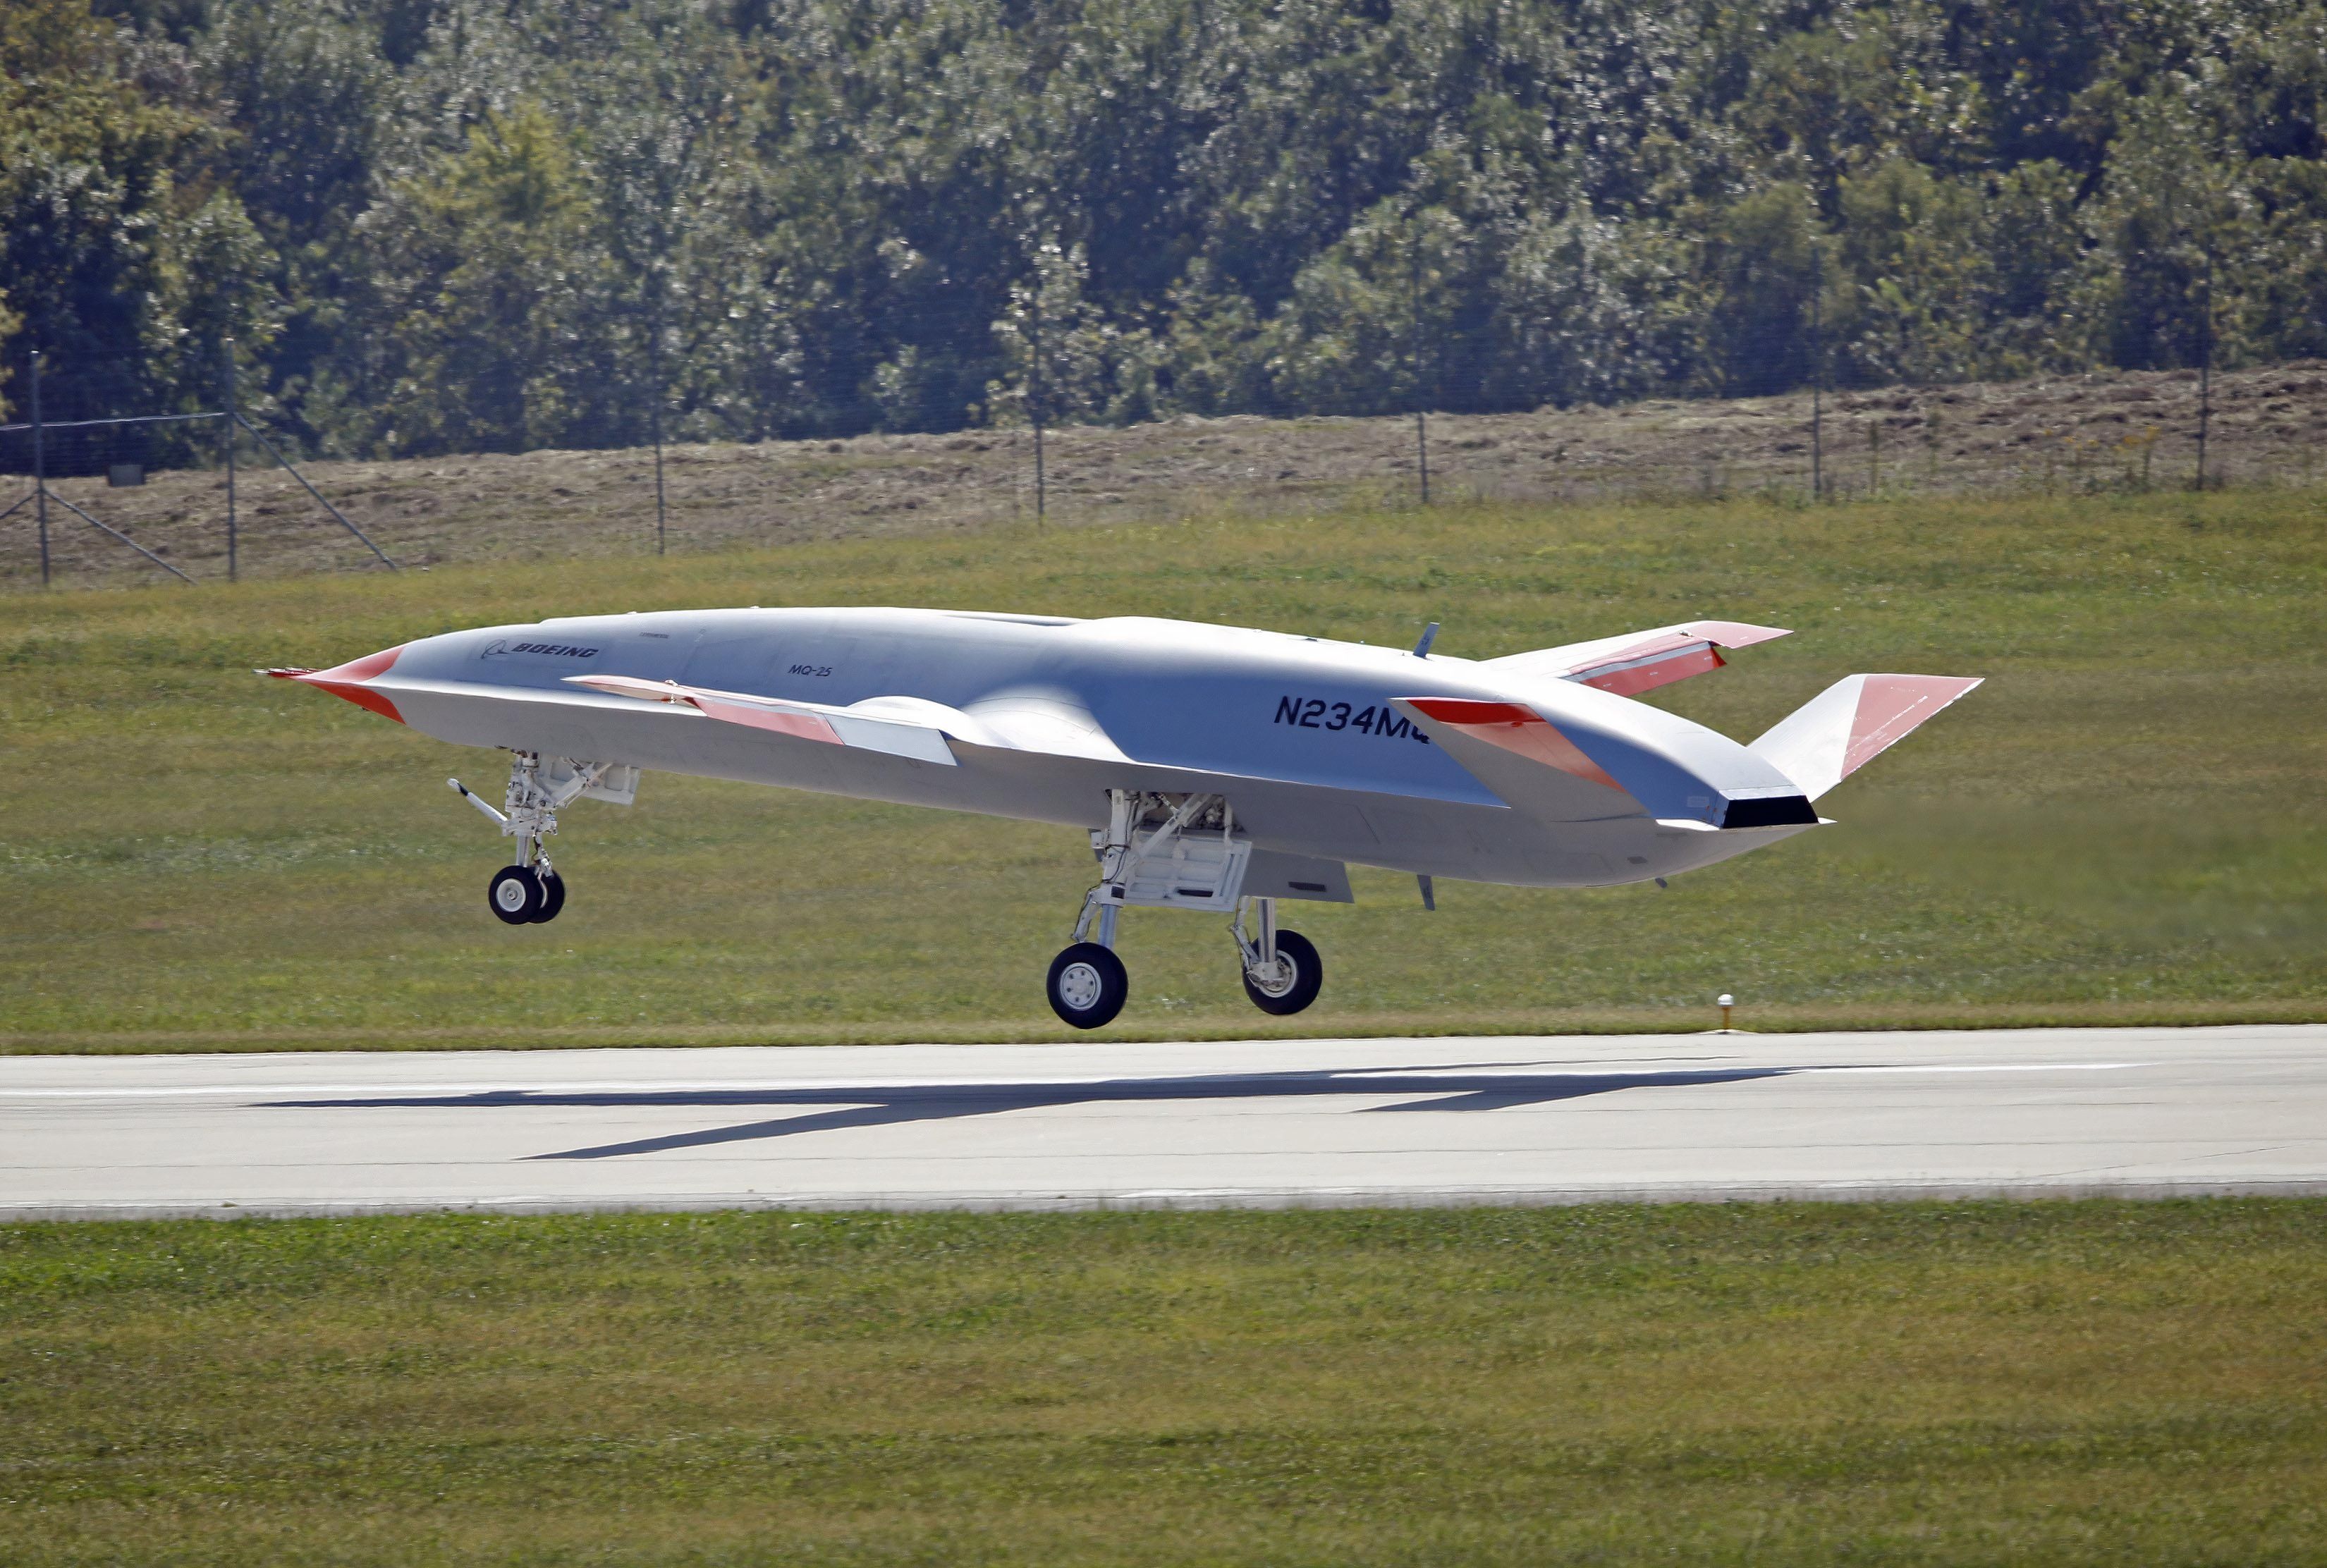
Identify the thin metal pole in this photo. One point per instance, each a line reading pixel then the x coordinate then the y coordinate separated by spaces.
pixel 1421 426
pixel 654 353
pixel 39 471
pixel 2205 370
pixel 1035 387
pixel 124 539
pixel 1817 374
pixel 231 416
pixel 129 419
pixel 268 447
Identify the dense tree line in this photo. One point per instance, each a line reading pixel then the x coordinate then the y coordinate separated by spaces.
pixel 460 225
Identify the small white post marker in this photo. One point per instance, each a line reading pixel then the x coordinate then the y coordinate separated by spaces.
pixel 1724 1002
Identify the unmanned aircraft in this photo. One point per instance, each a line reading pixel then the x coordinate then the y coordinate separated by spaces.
pixel 1215 767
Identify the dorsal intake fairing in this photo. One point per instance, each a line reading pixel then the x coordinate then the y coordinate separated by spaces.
pixel 1625 757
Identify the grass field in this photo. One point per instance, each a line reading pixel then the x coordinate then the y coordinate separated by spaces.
pixel 2125 822
pixel 2060 1384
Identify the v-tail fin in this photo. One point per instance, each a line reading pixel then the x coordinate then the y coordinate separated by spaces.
pixel 1851 722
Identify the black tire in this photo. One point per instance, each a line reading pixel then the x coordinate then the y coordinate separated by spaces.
pixel 1308 976
pixel 1088 986
pixel 515 895
pixel 553 899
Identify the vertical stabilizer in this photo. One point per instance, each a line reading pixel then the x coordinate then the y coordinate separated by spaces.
pixel 1851 722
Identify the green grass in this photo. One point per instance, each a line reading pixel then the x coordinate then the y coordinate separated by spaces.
pixel 1914 1383
pixel 2125 822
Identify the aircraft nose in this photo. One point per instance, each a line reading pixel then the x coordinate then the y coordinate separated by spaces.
pixel 348 680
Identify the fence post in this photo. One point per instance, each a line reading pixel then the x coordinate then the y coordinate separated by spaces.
pixel 232 414
pixel 40 471
pixel 2205 368
pixel 1421 420
pixel 654 374
pixel 1817 373
pixel 1034 388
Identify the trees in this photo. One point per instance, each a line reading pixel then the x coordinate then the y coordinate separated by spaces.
pixel 459 224
pixel 122 257
pixel 1912 275
pixel 491 286
pixel 1765 265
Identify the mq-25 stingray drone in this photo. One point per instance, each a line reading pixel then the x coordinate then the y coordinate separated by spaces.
pixel 1215 767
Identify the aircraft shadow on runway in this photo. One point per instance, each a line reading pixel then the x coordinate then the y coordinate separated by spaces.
pixel 1451 1089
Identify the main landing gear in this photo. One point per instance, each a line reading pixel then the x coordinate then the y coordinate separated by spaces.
pixel 529 891
pixel 1188 857
pixel 1282 972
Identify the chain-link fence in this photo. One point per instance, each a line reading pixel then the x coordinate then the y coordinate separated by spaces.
pixel 118 414
pixel 1044 410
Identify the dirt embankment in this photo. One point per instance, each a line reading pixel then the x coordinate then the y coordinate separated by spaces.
pixel 2098 432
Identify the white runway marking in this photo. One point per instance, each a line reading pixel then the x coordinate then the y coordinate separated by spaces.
pixel 1100 1123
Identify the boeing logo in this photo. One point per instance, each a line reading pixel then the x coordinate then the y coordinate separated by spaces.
pixel 500 647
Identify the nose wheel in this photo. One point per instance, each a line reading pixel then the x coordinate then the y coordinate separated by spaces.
pixel 521 896
pixel 1088 986
pixel 531 893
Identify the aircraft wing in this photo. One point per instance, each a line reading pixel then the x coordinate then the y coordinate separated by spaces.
pixel 900 726
pixel 1638 661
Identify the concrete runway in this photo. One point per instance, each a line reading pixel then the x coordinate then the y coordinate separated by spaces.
pixel 2146 1112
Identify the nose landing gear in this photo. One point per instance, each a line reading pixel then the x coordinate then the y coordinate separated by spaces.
pixel 521 896
pixel 529 891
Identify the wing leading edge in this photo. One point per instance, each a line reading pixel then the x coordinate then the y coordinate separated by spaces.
pixel 897 734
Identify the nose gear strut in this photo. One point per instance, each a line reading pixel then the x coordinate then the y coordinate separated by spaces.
pixel 529 891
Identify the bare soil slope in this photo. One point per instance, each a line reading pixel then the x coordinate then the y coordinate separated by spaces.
pixel 2103 432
